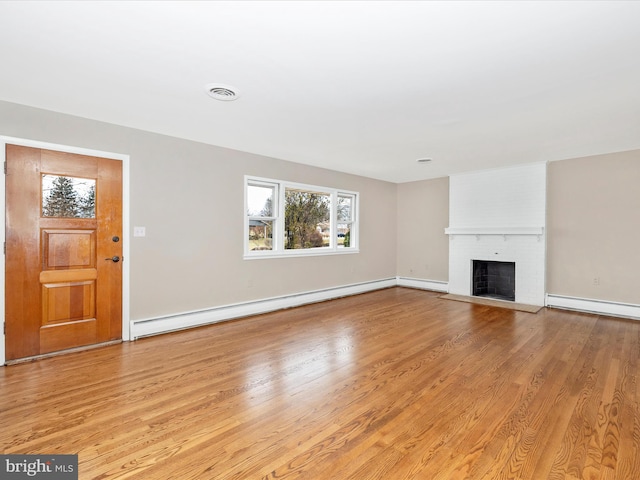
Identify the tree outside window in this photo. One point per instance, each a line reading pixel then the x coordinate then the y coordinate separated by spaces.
pixel 286 218
pixel 68 197
pixel 304 215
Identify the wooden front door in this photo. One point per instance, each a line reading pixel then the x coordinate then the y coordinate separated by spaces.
pixel 63 264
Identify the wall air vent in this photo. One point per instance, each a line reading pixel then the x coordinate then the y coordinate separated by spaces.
pixel 221 92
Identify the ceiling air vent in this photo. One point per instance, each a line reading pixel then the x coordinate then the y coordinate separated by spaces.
pixel 222 92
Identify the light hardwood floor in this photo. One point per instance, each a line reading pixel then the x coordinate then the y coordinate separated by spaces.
pixel 393 384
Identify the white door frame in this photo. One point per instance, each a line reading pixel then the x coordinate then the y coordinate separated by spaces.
pixel 4 140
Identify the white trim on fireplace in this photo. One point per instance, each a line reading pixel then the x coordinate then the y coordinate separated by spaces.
pixel 494 230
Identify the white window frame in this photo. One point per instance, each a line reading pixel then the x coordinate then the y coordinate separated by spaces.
pixel 278 243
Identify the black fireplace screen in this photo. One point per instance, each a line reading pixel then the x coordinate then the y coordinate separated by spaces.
pixel 494 279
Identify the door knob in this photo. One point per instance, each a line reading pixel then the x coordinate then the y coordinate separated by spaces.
pixel 114 259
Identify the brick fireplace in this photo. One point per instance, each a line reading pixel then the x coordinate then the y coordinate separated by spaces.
pixel 498 216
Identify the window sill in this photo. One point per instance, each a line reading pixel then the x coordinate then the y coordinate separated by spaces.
pixel 299 253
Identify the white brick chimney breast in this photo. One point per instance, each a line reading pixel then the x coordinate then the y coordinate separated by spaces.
pixel 499 215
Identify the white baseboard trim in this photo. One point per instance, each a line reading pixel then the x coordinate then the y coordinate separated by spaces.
pixel 180 321
pixel 602 307
pixel 434 285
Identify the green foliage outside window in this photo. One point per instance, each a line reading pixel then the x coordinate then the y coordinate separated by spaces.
pixel 64 198
pixel 303 212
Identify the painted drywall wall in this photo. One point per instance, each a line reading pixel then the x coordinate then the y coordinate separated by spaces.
pixel 593 222
pixel 423 214
pixel 189 197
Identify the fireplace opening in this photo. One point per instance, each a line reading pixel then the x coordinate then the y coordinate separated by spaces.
pixel 494 280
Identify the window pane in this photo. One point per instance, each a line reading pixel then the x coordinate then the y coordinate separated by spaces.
pixel 260 201
pixel 68 197
pixel 260 235
pixel 307 219
pixel 345 205
pixel 283 217
pixel 344 235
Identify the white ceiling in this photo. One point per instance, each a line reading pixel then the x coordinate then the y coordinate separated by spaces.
pixel 360 87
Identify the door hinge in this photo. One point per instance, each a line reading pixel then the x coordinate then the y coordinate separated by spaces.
pixel 5 167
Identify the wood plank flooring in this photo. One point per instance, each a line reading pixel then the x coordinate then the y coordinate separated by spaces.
pixel 393 384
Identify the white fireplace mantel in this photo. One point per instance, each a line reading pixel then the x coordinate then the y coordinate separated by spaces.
pixel 499 215
pixel 494 230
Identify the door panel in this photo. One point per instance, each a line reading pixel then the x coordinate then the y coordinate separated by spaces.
pixel 62 288
pixel 75 334
pixel 68 301
pixel 69 249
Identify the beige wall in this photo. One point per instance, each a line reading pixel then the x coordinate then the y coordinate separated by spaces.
pixel 189 196
pixel 423 214
pixel 593 222
pixel 593 228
